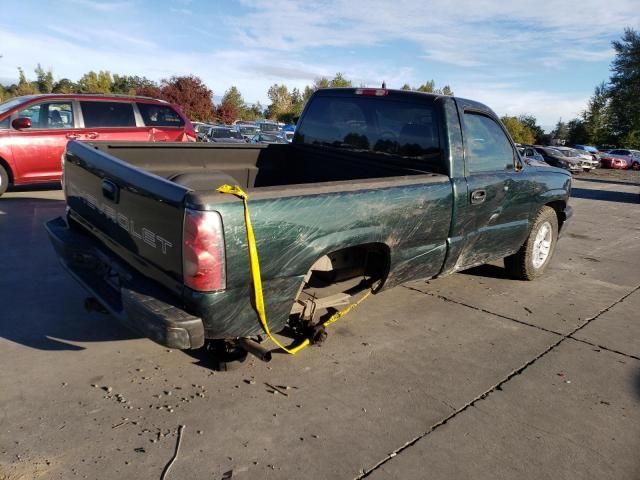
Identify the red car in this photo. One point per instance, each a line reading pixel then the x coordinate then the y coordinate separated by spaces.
pixel 35 129
pixel 611 161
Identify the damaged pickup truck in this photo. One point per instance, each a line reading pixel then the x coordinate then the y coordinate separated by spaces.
pixel 379 187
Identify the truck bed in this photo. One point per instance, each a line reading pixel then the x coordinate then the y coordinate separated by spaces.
pixel 199 166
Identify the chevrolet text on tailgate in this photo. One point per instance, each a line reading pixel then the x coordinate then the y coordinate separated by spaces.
pixel 220 244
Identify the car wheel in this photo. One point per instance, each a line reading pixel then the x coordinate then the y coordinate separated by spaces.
pixel 635 166
pixel 534 256
pixel 4 180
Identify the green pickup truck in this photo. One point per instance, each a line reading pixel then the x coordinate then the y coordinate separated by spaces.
pixel 378 187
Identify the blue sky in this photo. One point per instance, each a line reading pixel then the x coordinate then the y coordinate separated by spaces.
pixel 542 58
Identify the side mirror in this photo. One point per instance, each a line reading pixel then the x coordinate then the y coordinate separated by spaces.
pixel 20 123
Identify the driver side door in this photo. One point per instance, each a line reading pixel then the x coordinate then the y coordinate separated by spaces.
pixel 37 150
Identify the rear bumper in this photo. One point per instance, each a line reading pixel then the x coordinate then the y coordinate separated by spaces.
pixel 127 295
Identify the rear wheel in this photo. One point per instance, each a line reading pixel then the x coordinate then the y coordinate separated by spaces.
pixel 4 180
pixel 534 256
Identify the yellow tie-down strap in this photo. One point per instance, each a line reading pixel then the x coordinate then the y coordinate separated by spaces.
pixel 256 279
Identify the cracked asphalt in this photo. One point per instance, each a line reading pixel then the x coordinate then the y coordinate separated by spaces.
pixel 469 376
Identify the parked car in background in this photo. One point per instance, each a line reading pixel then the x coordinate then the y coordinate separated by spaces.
pixel 608 160
pixel 631 156
pixel 268 138
pixel 595 153
pixel 288 135
pixel 35 129
pixel 587 162
pixel 556 158
pixel 200 129
pixel 223 135
pixel 246 130
pixel 268 126
pixel 531 155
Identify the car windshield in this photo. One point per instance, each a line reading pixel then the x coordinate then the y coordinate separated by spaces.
pixel 14 102
pixel 220 133
pixel 248 130
pixel 268 127
pixel 569 153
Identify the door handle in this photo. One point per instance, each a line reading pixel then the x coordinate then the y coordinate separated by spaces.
pixel 72 136
pixel 92 135
pixel 478 196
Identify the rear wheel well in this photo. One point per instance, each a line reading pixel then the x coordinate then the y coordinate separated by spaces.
pixel 341 274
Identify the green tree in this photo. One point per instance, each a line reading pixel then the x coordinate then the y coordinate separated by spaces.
pixel 92 82
pixel 624 89
pixel 577 132
pixel 25 87
pixel 531 123
pixel 340 81
pixel 130 84
pixel 430 87
pixel 280 100
pixel 519 132
pixel 233 97
pixel 597 117
pixel 406 86
pixel 44 79
pixel 64 85
pixel 561 132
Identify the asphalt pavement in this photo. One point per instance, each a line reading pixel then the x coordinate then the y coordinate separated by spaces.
pixel 469 376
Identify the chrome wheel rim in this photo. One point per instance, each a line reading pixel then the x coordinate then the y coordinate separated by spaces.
pixel 542 245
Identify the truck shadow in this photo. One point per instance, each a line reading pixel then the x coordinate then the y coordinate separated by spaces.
pixel 605 195
pixel 487 270
pixel 41 306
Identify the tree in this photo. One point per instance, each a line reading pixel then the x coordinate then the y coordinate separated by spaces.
pixel 519 132
pixel 152 91
pixel 24 87
pixel 624 89
pixel 253 112
pixel 233 97
pixel 92 82
pixel 227 112
pixel 339 81
pixel 597 117
pixel 64 85
pixel 430 87
pixel 297 102
pixel 280 100
pixel 129 84
pixel 561 132
pixel 190 92
pixel 531 123
pixel 44 79
pixel 577 132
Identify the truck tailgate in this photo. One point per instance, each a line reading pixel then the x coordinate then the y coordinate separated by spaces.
pixel 134 213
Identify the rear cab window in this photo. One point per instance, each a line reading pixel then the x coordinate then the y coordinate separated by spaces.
pixel 101 114
pixel 393 130
pixel 155 115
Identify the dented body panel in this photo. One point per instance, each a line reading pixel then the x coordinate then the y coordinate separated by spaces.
pixel 306 200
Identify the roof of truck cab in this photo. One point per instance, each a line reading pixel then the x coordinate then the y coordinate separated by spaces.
pixel 464 103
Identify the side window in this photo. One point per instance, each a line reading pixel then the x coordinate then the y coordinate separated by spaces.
pixel 488 148
pixel 107 114
pixel 49 115
pixel 159 115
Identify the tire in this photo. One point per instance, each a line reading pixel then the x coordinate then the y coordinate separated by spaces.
pixel 4 180
pixel 635 166
pixel 531 261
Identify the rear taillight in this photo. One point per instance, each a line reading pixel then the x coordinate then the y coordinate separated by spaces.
pixel 203 259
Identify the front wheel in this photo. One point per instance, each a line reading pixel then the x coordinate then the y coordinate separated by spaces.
pixel 534 256
pixel 4 180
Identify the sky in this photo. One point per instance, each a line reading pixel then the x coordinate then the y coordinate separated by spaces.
pixel 541 58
